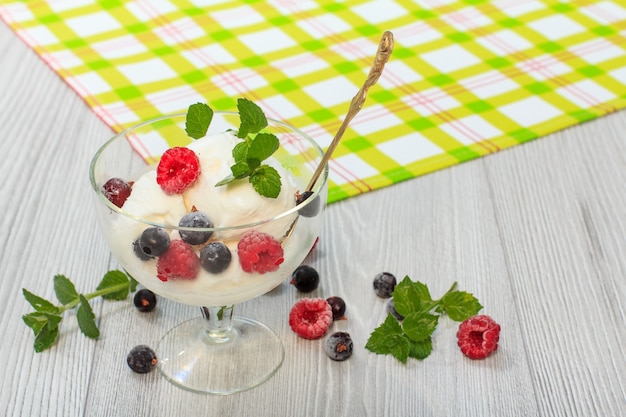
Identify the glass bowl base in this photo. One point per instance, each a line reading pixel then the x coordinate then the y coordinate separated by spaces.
pixel 242 358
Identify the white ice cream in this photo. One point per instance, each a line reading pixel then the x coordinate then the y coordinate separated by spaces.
pixel 233 204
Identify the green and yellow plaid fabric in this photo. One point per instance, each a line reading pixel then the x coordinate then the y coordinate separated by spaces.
pixel 466 78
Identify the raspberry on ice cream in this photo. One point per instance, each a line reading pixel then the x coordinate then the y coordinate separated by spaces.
pixel 310 317
pixel 478 337
pixel 178 168
pixel 259 252
pixel 179 262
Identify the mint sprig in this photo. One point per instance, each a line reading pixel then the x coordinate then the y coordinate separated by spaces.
pixel 45 320
pixel 412 338
pixel 198 119
pixel 249 154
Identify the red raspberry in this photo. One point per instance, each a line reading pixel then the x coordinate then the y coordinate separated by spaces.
pixel 259 252
pixel 116 190
pixel 478 336
pixel 179 262
pixel 311 317
pixel 178 168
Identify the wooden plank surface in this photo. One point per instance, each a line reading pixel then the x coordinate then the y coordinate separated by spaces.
pixel 536 232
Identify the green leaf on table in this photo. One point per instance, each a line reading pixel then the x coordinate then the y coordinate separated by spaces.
pixel 410 297
pixel 388 338
pixel 460 305
pixel 251 117
pixel 413 338
pixel 420 326
pixel 45 327
pixel 421 349
pixel 198 119
pixel 64 289
pixel 46 337
pixel 266 181
pixel 87 319
pixel 37 320
pixel 111 280
pixel 39 303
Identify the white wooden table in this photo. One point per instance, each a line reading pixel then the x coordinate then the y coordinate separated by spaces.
pixel 536 232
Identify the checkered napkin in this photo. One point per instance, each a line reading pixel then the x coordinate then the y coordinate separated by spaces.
pixel 466 78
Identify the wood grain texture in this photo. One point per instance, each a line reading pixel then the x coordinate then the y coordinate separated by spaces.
pixel 536 232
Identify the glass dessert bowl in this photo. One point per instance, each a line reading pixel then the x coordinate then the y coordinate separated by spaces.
pixel 187 239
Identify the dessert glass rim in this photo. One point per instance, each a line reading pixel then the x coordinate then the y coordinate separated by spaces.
pixel 97 188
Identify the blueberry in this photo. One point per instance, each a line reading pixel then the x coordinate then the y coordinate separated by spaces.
pixel 312 208
pixel 139 252
pixel 199 220
pixel 305 278
pixel 215 257
pixel 391 309
pixel 384 283
pixel 338 346
pixel 154 241
pixel 145 300
pixel 141 359
pixel 338 306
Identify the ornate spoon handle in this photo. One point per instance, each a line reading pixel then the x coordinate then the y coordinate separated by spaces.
pixel 385 47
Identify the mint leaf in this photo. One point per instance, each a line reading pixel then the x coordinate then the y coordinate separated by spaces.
pixel 420 326
pixel 240 151
pixel 266 181
pixel 389 339
pixel 413 338
pixel 252 118
pixel 198 119
pixel 38 320
pixel 86 319
pixel 262 146
pixel 44 321
pixel 226 180
pixel 132 282
pixel 409 297
pixel 39 303
pixel 115 284
pixel 240 170
pixel 46 336
pixel 460 305
pixel 45 327
pixel 256 147
pixel 64 289
pixel 420 350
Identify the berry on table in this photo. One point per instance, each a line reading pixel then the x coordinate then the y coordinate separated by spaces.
pixel 338 306
pixel 141 359
pixel 116 190
pixel 259 252
pixel 154 241
pixel 305 278
pixel 215 257
pixel 478 336
pixel 384 284
pixel 339 346
pixel 310 317
pixel 196 219
pixel 145 300
pixel 179 262
pixel 178 168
